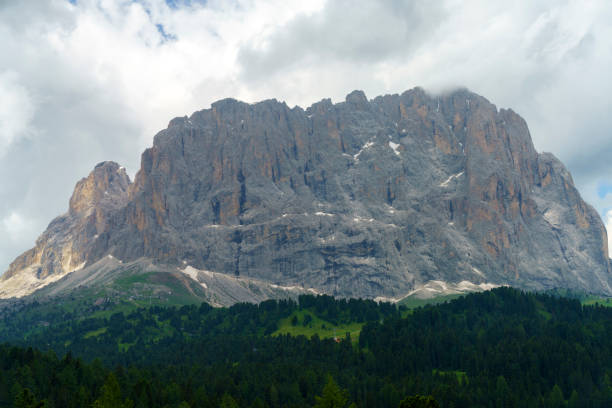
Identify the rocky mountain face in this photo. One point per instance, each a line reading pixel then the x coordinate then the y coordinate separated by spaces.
pixel 364 198
pixel 64 246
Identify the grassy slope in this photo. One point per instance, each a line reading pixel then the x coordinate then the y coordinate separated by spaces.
pixel 127 293
pixel 141 290
pixel 591 300
pixel 95 333
pixel 585 298
pixel 322 328
pixel 326 329
pixel 301 322
pixel 413 302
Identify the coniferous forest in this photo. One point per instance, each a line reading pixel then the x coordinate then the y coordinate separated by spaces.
pixel 502 348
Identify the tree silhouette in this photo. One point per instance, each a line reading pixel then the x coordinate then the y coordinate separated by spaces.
pixel 419 401
pixel 332 397
pixel 111 395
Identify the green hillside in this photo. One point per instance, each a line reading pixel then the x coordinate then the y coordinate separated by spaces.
pixel 306 323
pixel 497 348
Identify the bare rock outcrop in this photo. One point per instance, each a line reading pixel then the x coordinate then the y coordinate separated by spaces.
pixel 363 198
pixel 65 245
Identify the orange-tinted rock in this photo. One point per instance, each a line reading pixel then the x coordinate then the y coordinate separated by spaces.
pixel 361 198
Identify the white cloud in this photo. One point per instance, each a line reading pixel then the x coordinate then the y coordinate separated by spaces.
pixel 16 231
pixel 96 80
pixel 549 61
pixel 16 110
pixel 16 226
pixel 608 223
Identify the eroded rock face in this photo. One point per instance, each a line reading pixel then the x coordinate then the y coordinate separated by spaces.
pixel 360 198
pixel 65 245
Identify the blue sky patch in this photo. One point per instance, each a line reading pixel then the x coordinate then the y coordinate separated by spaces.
pixel 165 35
pixel 603 189
pixel 178 3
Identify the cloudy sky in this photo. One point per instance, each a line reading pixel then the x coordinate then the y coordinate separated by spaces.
pixel 82 81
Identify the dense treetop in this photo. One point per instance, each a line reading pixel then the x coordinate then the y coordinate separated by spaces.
pixel 498 348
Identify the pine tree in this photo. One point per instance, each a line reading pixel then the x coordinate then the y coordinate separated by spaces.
pixel 332 397
pixel 111 395
pixel 555 399
pixel 574 400
pixel 25 399
pixel 227 401
pixel 419 401
pixel 503 394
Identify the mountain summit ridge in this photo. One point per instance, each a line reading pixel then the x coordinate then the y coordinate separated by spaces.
pixel 363 198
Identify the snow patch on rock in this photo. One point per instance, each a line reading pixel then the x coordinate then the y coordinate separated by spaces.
pixel 448 180
pixel 365 146
pixel 394 147
pixel 436 288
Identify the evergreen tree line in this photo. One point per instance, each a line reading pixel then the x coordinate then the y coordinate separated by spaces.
pixel 502 348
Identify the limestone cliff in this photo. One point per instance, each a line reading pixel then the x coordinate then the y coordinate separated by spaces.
pixel 64 246
pixel 360 198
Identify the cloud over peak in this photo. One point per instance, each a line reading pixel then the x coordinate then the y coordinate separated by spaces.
pixel 92 80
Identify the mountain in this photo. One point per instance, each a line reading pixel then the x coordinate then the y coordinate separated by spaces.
pixel 397 195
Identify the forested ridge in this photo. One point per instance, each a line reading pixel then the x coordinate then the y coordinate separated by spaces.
pixel 502 348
